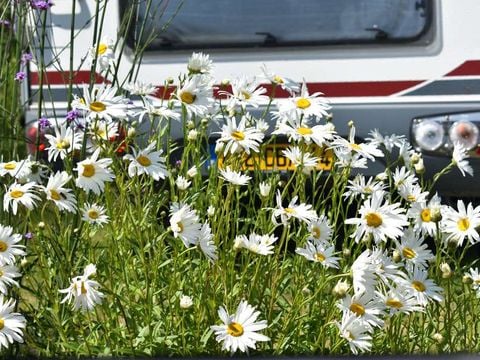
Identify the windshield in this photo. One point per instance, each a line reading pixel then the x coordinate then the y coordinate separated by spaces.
pixel 194 24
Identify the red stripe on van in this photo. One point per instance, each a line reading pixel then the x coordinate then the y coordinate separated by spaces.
pixel 62 77
pixel 468 68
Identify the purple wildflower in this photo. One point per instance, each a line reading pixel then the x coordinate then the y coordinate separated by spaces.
pixel 20 76
pixel 43 123
pixel 28 235
pixel 178 163
pixel 25 58
pixel 41 4
pixel 72 115
pixel 5 23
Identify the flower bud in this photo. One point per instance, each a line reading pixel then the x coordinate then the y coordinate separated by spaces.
pixel 350 123
pixel 225 82
pixel 182 183
pixel 419 167
pixel 381 176
pixel 192 172
pixel 446 270
pixel 340 289
pixel 41 225
pixel 415 158
pixel 435 214
pixel 23 262
pixel 438 338
pixel 131 132
pixel 190 125
pixel 306 291
pixel 204 121
pixel 265 189
pixel 467 279
pixel 396 256
pixel 169 80
pixel 186 302
pixel 211 211
pixel 192 135
pixel 347 252
pixel 219 147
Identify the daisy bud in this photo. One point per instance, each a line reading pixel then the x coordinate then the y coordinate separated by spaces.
pixel 265 189
pixel 381 176
pixel 131 132
pixel 438 338
pixel 306 291
pixel 346 252
pixel 192 172
pixel 204 121
pixel 41 225
pixel 436 215
pixel 350 123
pixel 163 214
pixel 169 80
pixel 211 211
pixel 238 243
pixel 340 289
pixel 396 256
pixel 76 230
pixel 467 279
pixel 419 167
pixel 329 117
pixel 190 125
pixel 182 183
pixel 186 302
pixel 452 243
pixel 192 135
pixel 446 270
pixel 225 82
pixel 281 184
pixel 23 262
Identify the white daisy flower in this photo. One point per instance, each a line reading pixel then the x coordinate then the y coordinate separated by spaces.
pixel 154 111
pixel 459 155
pixel 195 95
pixel 384 267
pixel 302 211
pixel 199 63
pixel 245 92
pixel 103 130
pixel 61 196
pixel 413 193
pixel 382 221
pixel 239 331
pixel 462 224
pixel 63 143
pixel 101 103
pixel 7 275
pixel 320 229
pixel 182 183
pixel 93 173
pixel 350 160
pixel 362 187
pixel 403 177
pixel 140 88
pixel 147 161
pixel 305 105
pixel 319 251
pixel 413 250
pixel 365 306
pixel 234 177
pixel 94 214
pixel 344 146
pixel 363 273
pixel 9 247
pixel 300 158
pixel 275 79
pixel 23 194
pixel 475 276
pixel 185 224
pixel 389 141
pixel 356 332
pixel 423 215
pixel 16 169
pixel 103 52
pixel 398 300
pixel 11 323
pixel 206 243
pixel 83 291
pixel 239 137
pixel 297 129
pixel 258 244
pixel 418 285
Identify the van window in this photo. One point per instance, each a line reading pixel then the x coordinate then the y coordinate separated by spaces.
pixel 194 24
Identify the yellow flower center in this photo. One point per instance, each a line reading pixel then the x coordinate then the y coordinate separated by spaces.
pixel 419 286
pixel 316 232
pixel 303 103
pixel 10 166
pixel 93 214
pixel 63 144
pixel 3 246
pixel 409 253
pixel 144 161
pixel 320 257
pixel 349 336
pixel 83 290
pixel 290 211
pixel 187 97
pixel 2 324
pixel 397 304
pixel 357 309
pixel 246 95
pixel 238 135
pixel 411 198
pixel 426 215
pixel 355 147
pixel 88 170
pixel 97 106
pixel 304 131
pixel 102 48
pixel 235 329
pixel 373 219
pixel 55 195
pixel 16 193
pixel 180 227
pixel 463 224
pixel 277 79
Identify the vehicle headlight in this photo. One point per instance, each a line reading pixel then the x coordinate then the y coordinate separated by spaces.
pixel 428 134
pixel 465 133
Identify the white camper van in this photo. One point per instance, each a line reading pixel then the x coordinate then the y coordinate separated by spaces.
pixel 409 67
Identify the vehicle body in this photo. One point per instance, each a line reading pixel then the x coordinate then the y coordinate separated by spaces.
pixel 378 82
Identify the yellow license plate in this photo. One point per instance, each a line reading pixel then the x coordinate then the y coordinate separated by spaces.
pixel 273 159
